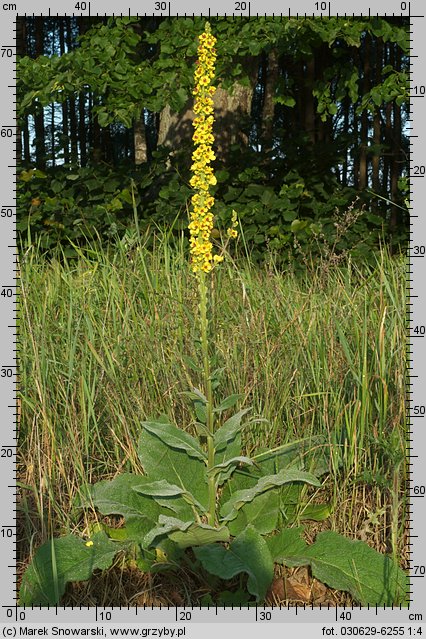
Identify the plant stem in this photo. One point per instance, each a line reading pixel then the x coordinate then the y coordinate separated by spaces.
pixel 209 394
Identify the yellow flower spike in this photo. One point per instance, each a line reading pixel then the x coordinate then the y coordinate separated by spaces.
pixel 201 220
pixel 89 543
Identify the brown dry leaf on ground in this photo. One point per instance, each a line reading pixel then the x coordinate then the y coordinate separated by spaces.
pixel 292 586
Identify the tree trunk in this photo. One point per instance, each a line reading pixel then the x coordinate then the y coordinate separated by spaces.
pixel 270 83
pixel 388 142
pixel 175 128
pixel 363 155
pixel 52 132
pixel 232 112
pixel 396 151
pixel 140 141
pixel 21 51
pixel 107 145
pixel 83 25
pixel 39 141
pixel 346 110
pixel 64 106
pixel 309 106
pixel 72 107
pixel 377 129
pixel 82 128
pixel 355 120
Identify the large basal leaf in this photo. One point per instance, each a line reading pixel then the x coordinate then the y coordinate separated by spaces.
pixel 63 560
pixel 176 438
pixel 248 553
pixel 287 546
pixel 117 497
pixel 352 566
pixel 344 564
pixel 161 462
pixel 230 508
pixel 268 511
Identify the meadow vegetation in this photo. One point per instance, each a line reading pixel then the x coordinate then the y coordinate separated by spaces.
pixel 109 339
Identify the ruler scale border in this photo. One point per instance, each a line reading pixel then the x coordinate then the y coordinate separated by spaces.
pixel 301 614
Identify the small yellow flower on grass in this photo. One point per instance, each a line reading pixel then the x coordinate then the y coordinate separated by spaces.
pixel 89 543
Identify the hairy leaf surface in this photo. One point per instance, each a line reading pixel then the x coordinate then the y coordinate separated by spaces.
pixel 62 560
pixel 248 553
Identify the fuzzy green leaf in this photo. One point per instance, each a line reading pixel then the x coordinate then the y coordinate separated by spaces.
pixel 352 566
pixel 311 454
pixel 199 535
pixel 175 438
pixel 185 533
pixel 234 461
pixel 248 553
pixel 344 564
pixel 230 428
pixel 262 513
pixel 165 526
pixel 227 450
pixel 117 497
pixel 228 403
pixel 161 462
pixel 162 488
pixel 62 560
pixel 287 546
pixel 230 508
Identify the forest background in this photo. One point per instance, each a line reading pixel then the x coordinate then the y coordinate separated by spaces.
pixel 311 116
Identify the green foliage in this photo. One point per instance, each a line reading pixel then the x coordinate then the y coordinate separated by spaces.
pixel 279 196
pixel 62 206
pixel 60 561
pixel 247 553
pixel 344 564
pixel 164 510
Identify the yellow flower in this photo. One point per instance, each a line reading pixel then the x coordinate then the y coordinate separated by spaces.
pixel 201 219
pixel 89 543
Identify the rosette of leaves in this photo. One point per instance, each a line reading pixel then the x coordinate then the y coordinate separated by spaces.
pixel 258 500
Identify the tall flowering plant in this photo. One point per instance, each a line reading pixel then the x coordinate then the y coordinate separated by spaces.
pixel 231 510
pixel 201 220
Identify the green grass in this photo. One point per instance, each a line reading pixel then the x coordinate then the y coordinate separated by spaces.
pixel 110 339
